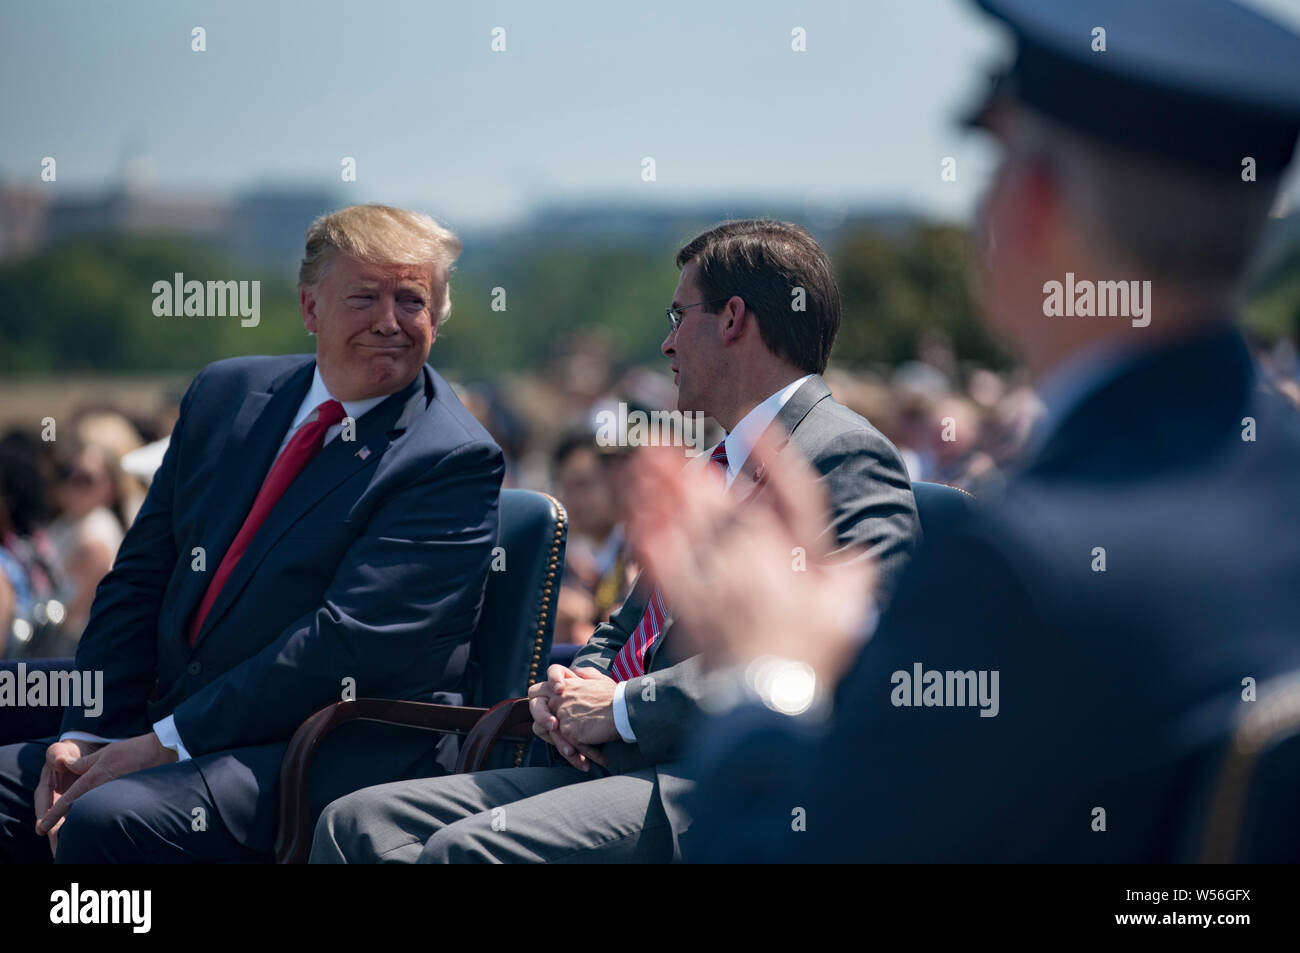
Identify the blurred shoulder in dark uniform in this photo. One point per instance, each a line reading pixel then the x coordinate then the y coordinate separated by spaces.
pixel 1144 563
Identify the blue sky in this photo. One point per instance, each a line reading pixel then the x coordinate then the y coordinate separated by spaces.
pixel 434 118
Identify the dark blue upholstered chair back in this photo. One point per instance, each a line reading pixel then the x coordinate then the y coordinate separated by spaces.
pixel 513 642
pixel 937 504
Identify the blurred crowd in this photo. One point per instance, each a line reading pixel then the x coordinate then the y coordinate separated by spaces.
pixel 68 493
pixel 65 503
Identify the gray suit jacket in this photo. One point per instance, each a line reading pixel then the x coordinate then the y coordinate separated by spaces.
pixel 874 512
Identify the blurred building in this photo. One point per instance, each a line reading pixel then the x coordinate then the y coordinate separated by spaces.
pixel 265 224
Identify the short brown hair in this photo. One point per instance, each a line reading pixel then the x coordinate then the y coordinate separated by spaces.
pixel 767 263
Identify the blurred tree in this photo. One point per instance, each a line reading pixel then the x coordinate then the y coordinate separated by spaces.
pixel 898 287
pixel 88 305
pixel 550 293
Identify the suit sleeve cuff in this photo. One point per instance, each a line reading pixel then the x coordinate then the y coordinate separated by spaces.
pixel 87 736
pixel 621 720
pixel 166 731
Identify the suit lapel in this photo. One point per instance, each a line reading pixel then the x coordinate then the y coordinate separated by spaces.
pixel 337 461
pixel 244 459
pixel 812 393
pixel 790 416
pixel 781 429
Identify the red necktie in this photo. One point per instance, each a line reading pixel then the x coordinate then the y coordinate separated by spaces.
pixel 305 444
pixel 630 660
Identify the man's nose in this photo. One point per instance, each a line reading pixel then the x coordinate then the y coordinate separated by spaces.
pixel 386 317
pixel 668 349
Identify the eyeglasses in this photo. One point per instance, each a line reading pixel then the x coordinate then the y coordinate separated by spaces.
pixel 675 314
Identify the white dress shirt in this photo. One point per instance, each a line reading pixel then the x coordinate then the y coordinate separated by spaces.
pixel 739 443
pixel 317 394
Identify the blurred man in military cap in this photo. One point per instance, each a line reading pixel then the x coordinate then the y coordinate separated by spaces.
pixel 1058 675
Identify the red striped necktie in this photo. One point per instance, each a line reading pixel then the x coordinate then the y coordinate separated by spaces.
pixel 630 661
pixel 305 444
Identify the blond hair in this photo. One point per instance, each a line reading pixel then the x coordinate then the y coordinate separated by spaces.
pixel 382 235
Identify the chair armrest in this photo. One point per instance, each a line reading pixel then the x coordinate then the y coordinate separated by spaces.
pixel 509 719
pixel 293 842
pixel 1265 724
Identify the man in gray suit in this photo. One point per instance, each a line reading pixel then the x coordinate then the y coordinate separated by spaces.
pixel 624 711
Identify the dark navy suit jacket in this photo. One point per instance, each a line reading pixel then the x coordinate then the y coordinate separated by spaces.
pixel 1117 688
pixel 371 567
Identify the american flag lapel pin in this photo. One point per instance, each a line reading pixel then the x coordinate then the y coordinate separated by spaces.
pixel 363 452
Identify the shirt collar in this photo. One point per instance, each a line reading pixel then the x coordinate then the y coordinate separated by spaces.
pixel 318 393
pixel 740 441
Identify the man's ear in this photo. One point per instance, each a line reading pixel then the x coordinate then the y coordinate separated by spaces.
pixel 1040 204
pixel 444 306
pixel 307 305
pixel 732 319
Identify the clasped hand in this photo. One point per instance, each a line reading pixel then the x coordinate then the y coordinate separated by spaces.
pixel 573 710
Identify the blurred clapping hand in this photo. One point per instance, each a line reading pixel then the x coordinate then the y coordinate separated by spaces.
pixel 746 574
